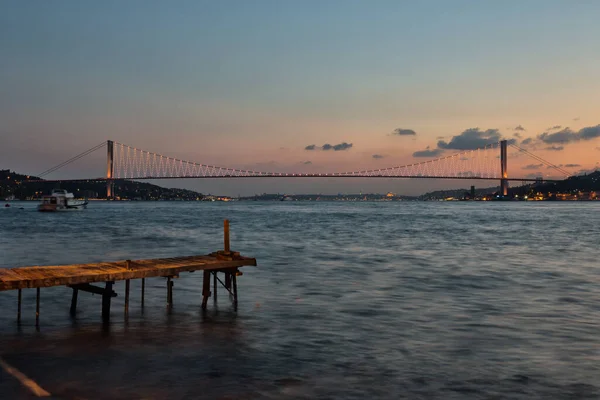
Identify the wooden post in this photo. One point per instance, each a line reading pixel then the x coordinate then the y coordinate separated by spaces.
pixel 235 296
pixel 143 289
pixel 226 236
pixel 106 301
pixel 37 307
pixel 215 286
pixel 127 297
pixel 205 288
pixel 19 307
pixel 227 280
pixel 169 292
pixel 74 302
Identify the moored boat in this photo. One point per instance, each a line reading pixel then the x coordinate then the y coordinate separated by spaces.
pixel 61 200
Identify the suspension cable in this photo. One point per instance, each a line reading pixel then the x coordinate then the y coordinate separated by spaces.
pixel 69 161
pixel 547 163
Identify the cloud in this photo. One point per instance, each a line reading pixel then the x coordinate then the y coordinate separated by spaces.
pixel 310 147
pixel 572 165
pixel 533 166
pixel 337 147
pixel 307 162
pixel 441 137
pixel 520 128
pixel 576 119
pixel 472 139
pixel 533 176
pixel 403 132
pixel 526 142
pixel 555 127
pixel 567 135
pixel 517 135
pixel 428 152
pixel 555 148
pixel 377 156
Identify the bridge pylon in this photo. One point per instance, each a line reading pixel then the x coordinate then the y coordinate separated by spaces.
pixel 110 169
pixel 503 168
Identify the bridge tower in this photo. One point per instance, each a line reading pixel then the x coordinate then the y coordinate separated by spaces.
pixel 110 169
pixel 503 168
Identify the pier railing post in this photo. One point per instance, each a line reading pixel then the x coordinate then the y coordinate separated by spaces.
pixel 143 289
pixel 235 293
pixel 169 292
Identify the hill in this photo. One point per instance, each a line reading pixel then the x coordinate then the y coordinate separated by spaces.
pixel 21 187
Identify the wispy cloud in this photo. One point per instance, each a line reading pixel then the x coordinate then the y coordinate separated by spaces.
pixel 404 132
pixel 520 128
pixel 428 152
pixel 307 162
pixel 572 165
pixel 555 127
pixel 337 147
pixel 555 148
pixel 533 166
pixel 517 135
pixel 526 142
pixel 377 156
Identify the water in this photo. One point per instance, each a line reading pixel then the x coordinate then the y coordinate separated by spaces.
pixel 409 300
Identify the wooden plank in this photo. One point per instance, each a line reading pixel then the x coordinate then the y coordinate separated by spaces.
pixel 75 274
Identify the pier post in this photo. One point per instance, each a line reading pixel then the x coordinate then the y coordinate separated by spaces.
pixel 205 288
pixel 235 294
pixel 19 307
pixel 143 289
pixel 226 236
pixel 106 301
pixel 169 292
pixel 215 286
pixel 126 297
pixel 37 307
pixel 227 280
pixel 74 302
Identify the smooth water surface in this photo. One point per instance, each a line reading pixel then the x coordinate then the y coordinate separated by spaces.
pixel 448 300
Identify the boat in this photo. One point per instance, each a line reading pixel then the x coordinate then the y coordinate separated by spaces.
pixel 61 200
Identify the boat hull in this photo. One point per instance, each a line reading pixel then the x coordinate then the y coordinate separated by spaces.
pixel 71 205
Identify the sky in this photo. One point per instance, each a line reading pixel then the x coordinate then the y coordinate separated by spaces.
pixel 267 85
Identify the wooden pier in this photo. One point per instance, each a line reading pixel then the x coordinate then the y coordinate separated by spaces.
pixel 80 277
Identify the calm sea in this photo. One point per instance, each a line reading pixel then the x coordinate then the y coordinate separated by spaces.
pixel 416 300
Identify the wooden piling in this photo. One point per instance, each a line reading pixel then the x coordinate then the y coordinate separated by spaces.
pixel 19 306
pixel 127 297
pixel 226 236
pixel 106 301
pixel 169 292
pixel 215 286
pixel 228 280
pixel 235 294
pixel 37 307
pixel 205 288
pixel 143 289
pixel 74 302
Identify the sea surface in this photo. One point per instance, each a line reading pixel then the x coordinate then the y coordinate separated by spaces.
pixel 369 300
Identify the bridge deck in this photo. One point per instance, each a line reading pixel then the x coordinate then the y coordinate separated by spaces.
pixel 63 275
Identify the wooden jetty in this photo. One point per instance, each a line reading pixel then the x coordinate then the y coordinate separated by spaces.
pixel 80 277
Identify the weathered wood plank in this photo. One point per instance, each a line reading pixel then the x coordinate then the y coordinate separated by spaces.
pixel 63 275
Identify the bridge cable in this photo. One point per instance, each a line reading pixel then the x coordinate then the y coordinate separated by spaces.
pixel 69 161
pixel 547 163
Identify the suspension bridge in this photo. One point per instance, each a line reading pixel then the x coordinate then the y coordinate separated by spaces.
pixel 124 162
